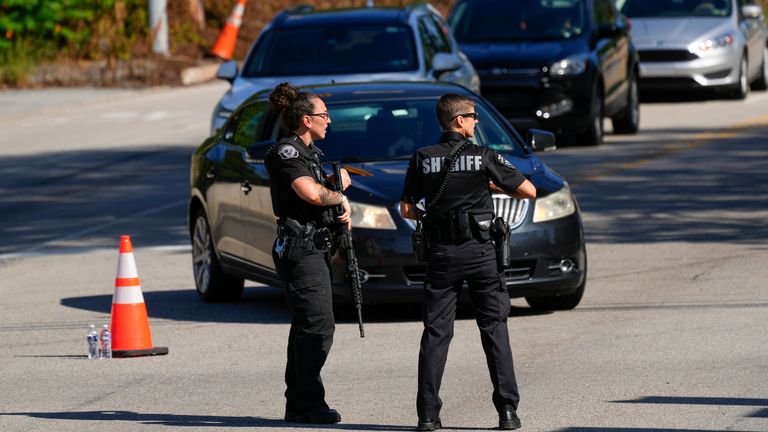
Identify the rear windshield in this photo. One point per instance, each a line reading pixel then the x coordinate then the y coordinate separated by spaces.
pixel 394 129
pixel 333 50
pixel 504 20
pixel 674 8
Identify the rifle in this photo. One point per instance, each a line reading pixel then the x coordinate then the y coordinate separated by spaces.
pixel 353 271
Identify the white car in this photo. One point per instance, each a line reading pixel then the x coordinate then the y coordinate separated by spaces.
pixel 700 44
pixel 305 46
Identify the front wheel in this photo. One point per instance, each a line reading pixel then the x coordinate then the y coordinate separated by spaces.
pixel 628 119
pixel 211 282
pixel 594 133
pixel 762 80
pixel 741 89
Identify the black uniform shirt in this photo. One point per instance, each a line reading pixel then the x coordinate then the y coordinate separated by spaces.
pixel 288 160
pixel 466 187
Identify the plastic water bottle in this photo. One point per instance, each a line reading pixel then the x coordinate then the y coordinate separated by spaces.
pixel 93 342
pixel 105 345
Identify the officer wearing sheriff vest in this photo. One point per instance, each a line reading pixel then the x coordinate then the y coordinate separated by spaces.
pixel 302 199
pixel 459 209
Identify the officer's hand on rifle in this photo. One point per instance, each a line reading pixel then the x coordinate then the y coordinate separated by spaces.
pixel 345 217
pixel 345 179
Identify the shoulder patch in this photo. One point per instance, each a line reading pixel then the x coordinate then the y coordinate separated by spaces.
pixel 503 161
pixel 287 152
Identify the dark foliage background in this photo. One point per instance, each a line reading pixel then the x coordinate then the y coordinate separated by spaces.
pixel 60 35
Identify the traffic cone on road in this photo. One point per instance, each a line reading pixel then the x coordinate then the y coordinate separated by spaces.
pixel 131 336
pixel 225 43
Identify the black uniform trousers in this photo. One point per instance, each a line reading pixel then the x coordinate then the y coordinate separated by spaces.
pixel 448 265
pixel 308 293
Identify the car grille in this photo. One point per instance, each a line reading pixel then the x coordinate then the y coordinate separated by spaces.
pixel 518 270
pixel 504 72
pixel 669 83
pixel 666 56
pixel 512 210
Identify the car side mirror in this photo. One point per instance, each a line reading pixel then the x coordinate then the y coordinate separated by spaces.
pixel 608 31
pixel 444 62
pixel 541 140
pixel 258 151
pixel 227 71
pixel 751 11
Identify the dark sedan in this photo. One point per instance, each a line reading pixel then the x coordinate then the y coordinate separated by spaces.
pixel 375 129
pixel 561 65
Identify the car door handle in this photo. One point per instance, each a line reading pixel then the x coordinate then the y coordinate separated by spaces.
pixel 245 187
pixel 211 173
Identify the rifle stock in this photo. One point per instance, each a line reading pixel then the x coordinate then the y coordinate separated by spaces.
pixel 353 271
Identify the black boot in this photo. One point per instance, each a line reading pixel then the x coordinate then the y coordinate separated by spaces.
pixel 321 416
pixel 429 424
pixel 508 418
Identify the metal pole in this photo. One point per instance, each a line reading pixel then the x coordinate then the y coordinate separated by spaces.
pixel 158 25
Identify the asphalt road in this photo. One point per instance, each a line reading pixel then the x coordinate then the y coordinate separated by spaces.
pixel 670 336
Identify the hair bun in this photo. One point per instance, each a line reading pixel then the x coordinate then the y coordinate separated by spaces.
pixel 283 95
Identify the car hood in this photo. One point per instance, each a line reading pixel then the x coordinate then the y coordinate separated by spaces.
pixel 382 182
pixel 660 32
pixel 521 54
pixel 243 88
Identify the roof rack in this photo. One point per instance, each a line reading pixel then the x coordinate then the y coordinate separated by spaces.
pixel 300 9
pixel 282 16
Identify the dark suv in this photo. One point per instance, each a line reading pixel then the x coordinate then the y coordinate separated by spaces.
pixel 375 129
pixel 562 65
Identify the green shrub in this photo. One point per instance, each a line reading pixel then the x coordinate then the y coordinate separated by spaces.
pixel 36 30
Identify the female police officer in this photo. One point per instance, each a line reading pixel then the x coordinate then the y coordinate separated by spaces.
pixel 459 211
pixel 302 199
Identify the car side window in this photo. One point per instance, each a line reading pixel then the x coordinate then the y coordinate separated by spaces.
pixel 603 13
pixel 437 32
pixel 432 40
pixel 248 124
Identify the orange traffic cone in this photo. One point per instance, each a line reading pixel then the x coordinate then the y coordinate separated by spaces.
pixel 131 336
pixel 225 43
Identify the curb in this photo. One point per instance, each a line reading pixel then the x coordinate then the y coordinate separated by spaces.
pixel 199 74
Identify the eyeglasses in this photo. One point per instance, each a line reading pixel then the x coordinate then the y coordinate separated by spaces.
pixel 466 115
pixel 324 115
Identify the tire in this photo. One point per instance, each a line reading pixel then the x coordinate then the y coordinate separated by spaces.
pixel 628 119
pixel 594 134
pixel 211 282
pixel 741 89
pixel 762 80
pixel 561 302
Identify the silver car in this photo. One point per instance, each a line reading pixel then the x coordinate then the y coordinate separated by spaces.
pixel 306 47
pixel 690 44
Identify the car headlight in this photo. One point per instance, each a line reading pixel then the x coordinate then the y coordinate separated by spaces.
pixel 573 65
pixel 723 41
pixel 368 216
pixel 554 206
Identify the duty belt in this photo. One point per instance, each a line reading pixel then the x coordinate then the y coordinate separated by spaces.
pixel 322 237
pixel 456 227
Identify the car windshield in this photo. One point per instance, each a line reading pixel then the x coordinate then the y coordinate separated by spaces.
pixel 392 129
pixel 331 50
pixel 503 20
pixel 674 8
